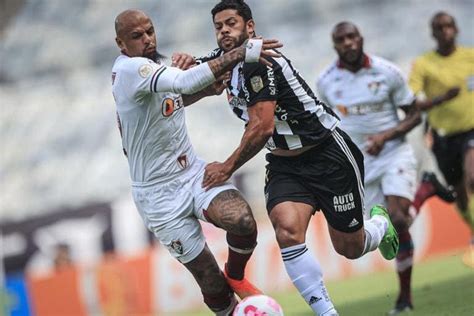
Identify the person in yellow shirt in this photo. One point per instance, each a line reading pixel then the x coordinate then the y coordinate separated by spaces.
pixel 449 70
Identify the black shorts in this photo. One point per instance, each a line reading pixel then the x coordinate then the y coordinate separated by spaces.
pixel 328 177
pixel 449 152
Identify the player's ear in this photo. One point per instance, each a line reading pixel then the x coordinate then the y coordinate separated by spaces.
pixel 250 25
pixel 120 43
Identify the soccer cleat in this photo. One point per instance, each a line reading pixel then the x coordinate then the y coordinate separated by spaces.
pixel 243 288
pixel 401 307
pixel 389 245
pixel 447 194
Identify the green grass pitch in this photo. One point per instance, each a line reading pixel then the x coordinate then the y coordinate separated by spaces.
pixel 441 286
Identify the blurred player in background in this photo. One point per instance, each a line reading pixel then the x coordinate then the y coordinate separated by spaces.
pixel 366 91
pixel 450 69
pixel 312 164
pixel 166 174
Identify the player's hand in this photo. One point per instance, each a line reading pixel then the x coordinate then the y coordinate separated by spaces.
pixel 216 173
pixel 267 50
pixel 182 61
pixel 452 93
pixel 375 144
pixel 219 86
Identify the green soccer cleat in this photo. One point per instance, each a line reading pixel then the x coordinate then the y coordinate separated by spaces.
pixel 389 245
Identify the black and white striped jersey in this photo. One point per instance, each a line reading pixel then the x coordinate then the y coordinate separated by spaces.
pixel 300 118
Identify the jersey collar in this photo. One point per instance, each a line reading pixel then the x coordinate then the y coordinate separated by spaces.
pixel 366 63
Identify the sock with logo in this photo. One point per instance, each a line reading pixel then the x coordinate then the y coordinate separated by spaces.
pixel 375 229
pixel 404 263
pixel 306 274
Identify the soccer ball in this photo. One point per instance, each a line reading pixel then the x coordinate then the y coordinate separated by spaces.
pixel 258 305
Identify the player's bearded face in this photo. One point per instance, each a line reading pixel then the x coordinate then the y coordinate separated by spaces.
pixel 231 29
pixel 349 45
pixel 140 41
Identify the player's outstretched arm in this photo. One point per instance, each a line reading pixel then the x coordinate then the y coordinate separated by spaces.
pixel 428 104
pixel 199 77
pixel 259 129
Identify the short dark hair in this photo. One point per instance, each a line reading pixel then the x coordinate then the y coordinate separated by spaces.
pixel 439 14
pixel 240 6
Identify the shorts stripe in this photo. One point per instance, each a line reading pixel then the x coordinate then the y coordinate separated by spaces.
pixel 341 142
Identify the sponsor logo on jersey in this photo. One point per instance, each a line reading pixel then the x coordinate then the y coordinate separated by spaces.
pixel 257 83
pixel 176 246
pixel 183 161
pixel 344 203
pixel 170 105
pixel 145 70
pixel 271 80
pixel 361 109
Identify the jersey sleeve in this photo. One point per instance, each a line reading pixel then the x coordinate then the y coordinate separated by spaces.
pixel 416 80
pixel 400 91
pixel 212 55
pixel 260 82
pixel 137 76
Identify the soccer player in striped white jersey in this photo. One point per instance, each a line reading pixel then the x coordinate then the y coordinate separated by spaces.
pixel 366 91
pixel 166 174
pixel 312 165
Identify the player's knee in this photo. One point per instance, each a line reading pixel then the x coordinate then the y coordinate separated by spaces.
pixel 351 250
pixel 246 224
pixel 287 237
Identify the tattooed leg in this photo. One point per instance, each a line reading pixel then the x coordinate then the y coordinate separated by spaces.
pixel 217 294
pixel 232 213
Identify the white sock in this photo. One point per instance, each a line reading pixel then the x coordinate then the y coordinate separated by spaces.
pixel 375 229
pixel 305 272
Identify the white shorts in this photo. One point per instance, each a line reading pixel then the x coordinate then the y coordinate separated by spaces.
pixel 391 174
pixel 171 210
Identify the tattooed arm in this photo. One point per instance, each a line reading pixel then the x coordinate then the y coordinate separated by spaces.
pixel 259 129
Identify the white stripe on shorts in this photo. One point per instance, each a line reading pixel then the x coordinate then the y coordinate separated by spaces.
pixel 342 143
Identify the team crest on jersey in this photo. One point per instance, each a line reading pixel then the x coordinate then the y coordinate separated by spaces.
pixel 183 161
pixel 145 70
pixel 342 109
pixel 374 86
pixel 177 246
pixel 170 105
pixel 256 83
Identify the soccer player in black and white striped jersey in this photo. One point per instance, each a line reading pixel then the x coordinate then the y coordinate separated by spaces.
pixel 165 171
pixel 312 165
